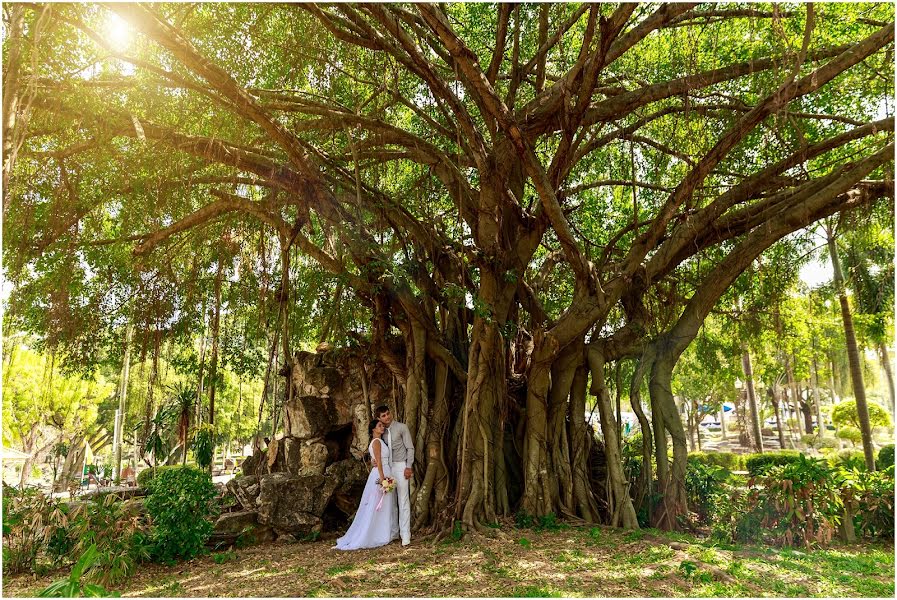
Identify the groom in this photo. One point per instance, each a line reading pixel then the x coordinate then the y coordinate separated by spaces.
pixel 398 438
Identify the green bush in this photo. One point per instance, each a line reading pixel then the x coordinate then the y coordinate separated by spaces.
pixel 871 499
pixel 145 477
pixel 885 457
pixel 758 464
pixel 735 516
pixel 801 502
pixel 181 503
pixel 204 446
pixel 703 483
pixel 849 459
pixel 729 460
pixel 851 434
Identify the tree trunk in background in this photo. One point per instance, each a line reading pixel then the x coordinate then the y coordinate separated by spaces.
pixel 213 366
pixel 814 374
pixel 752 400
pixel 853 355
pixel 28 443
pixel 889 373
pixel 122 402
pixel 620 502
pixel 776 406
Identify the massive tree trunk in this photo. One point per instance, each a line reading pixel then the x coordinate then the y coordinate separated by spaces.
pixel 853 354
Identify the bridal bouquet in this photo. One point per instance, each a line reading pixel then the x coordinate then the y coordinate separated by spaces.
pixel 387 484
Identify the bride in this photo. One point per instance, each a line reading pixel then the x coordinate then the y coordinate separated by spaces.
pixel 376 521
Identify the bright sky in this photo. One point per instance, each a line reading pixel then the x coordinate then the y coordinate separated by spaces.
pixel 816 273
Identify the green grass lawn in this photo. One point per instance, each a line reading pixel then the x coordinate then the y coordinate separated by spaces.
pixel 566 562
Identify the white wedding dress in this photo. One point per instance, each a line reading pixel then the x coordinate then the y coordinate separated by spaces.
pixel 372 527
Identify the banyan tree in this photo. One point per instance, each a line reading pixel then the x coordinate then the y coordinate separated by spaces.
pixel 500 203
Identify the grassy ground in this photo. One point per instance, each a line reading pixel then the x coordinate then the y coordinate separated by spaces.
pixel 577 562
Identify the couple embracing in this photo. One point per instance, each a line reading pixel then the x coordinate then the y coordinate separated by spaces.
pixel 385 507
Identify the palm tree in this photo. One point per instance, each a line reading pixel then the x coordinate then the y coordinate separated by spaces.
pixel 853 354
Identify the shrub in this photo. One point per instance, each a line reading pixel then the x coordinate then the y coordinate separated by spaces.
pixel 145 477
pixel 885 457
pixel 702 484
pixel 30 520
pixel 204 446
pixel 851 434
pixel 849 459
pixel 845 414
pixel 757 464
pixel 121 539
pixel 73 587
pixel 870 498
pixel 801 502
pixel 729 460
pixel 735 515
pixel 181 504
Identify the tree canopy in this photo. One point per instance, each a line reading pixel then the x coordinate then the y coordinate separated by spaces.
pixel 519 193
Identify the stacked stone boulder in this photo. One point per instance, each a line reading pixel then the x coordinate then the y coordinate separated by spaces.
pixel 310 477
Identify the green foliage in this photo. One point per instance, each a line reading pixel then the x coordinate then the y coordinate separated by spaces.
pixel 849 459
pixel 457 531
pixel 729 460
pixel 801 502
pixel 870 497
pixel 73 587
pixel 204 446
pixel 181 503
pixel 119 534
pixel 845 414
pixel 885 457
pixel 145 478
pixel 30 522
pixel 548 522
pixel 759 463
pixel 223 557
pixel 851 434
pixel 703 483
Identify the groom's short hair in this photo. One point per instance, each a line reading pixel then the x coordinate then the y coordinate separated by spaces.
pixel 380 410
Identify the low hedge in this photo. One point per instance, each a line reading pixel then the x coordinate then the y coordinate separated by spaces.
pixel 759 463
pixel 729 460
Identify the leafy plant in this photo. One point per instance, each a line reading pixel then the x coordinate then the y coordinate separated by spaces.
pixel 801 502
pixel 222 557
pixel 181 503
pixel 849 459
pixel 73 587
pixel 204 446
pixel 703 483
pixel 870 500
pixel 145 477
pixel 885 457
pixel 120 537
pixel 30 521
